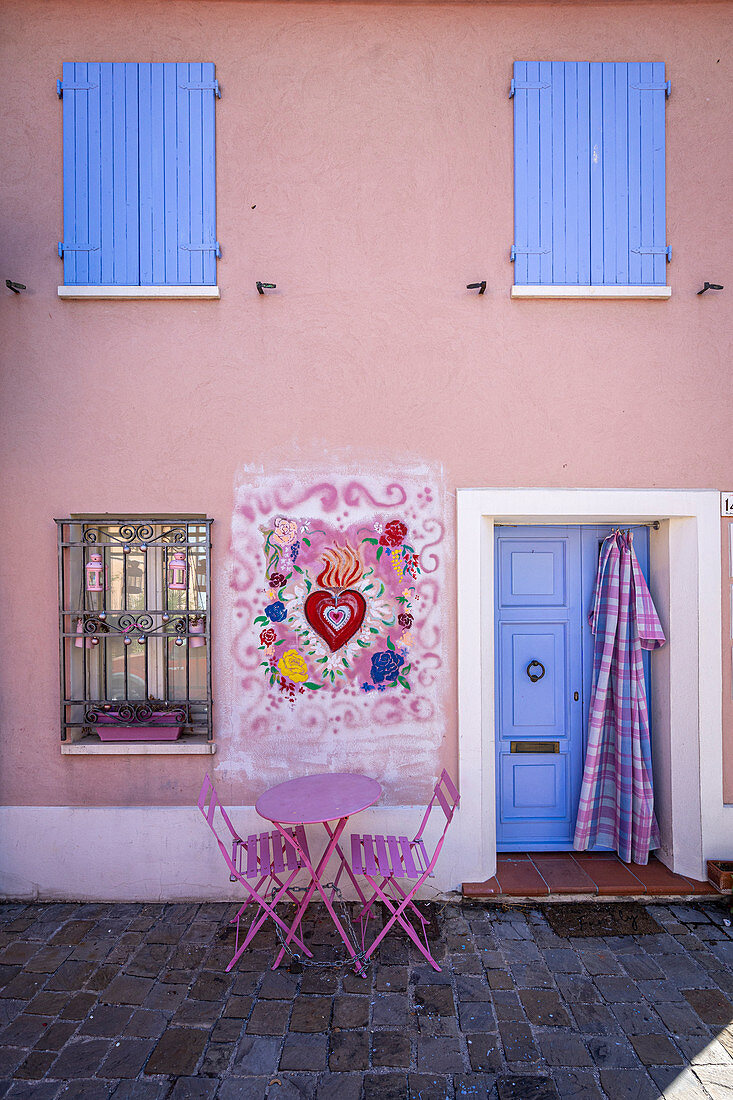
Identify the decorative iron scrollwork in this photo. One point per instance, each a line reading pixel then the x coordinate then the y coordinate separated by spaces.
pixel 133 533
pixel 134 714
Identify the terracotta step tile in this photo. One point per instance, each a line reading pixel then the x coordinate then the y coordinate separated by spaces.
pixel 611 876
pixel 481 889
pixel 594 855
pixel 520 878
pixel 512 857
pixel 658 879
pixel 564 876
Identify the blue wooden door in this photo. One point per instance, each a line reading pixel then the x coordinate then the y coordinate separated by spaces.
pixel 544 659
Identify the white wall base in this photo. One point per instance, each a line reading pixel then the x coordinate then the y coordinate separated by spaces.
pixel 159 854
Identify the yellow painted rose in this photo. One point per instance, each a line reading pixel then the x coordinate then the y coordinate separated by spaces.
pixel 292 665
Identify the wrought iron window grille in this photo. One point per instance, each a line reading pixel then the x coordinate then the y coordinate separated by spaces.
pixel 134 637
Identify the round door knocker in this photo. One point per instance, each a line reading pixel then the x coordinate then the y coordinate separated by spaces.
pixel 535 676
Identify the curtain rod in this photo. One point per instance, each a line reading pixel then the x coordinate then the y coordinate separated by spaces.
pixel 629 527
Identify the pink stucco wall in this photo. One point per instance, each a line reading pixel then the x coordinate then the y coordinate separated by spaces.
pixel 364 164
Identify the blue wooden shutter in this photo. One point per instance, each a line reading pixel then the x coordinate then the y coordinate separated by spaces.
pixel 139 174
pixel 589 200
pixel 178 243
pixel 100 111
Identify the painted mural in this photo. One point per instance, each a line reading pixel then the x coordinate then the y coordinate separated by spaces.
pixel 339 640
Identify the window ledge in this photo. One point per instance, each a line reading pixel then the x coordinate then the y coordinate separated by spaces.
pixel 591 292
pixel 92 746
pixel 139 292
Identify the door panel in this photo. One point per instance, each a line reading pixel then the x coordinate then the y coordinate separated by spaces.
pixel 538 624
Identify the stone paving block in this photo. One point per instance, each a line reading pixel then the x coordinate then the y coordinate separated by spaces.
pixel 193 1088
pixel 139 1090
pixel 627 1084
pixel 507 1006
pixel 499 979
pixel 24 986
pixel 595 1019
pixel 687 974
pixel 718 1080
pixel 238 1007
pixel 655 991
pixel 167 998
pixel 389 1086
pixel 47 960
pixel 472 987
pixel 226 1030
pixel 80 1058
pixel 564 1050
pixel 465 964
pixel 613 1053
pixel 615 989
pixel 127 990
pixel 574 1084
pixel 311 1013
pixel 476 1016
pixel 73 931
pixel 196 1013
pixel 349 1051
pixel 636 1019
pixel 576 988
pixel 269 1018
pixel 318 981
pixel 525 1088
pixel 217 1057
pixel 24 1031
pixel 355 983
pixel 389 1010
pixel 543 1006
pixel 699 1052
pixel 426 1086
pixel 149 960
pixel 36 1065
pixel 391 979
pixel 350 1011
pixel 210 986
pixel 56 1035
pixel 102 976
pixel 533 976
pixel 292 1086
pixel 434 1000
pixel 390 1049
pixel 677 1084
pixel 106 1021
pixel 563 960
pixel 642 967
pixel 177 1052
pixel 518 1042
pixel 90 1090
pixel 441 1054
pixel 710 1004
pixel 656 1050
pixel 305 1052
pixel 243 1088
pixel 10 1059
pixel 146 1024
pixel 600 962
pixel 278 985
pixel 680 1019
pixel 339 1086
pixel 484 1053
pixel 126 1058
pixel 77 1007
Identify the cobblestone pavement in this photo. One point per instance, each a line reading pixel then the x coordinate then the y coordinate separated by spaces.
pixel 132 1001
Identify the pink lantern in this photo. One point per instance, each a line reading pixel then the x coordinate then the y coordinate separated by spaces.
pixel 198 627
pixel 80 641
pixel 95 574
pixel 177 572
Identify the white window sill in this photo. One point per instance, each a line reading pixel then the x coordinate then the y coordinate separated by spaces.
pixel 139 292
pixel 592 292
pixel 92 746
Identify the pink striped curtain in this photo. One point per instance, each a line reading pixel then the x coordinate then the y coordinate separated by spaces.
pixel 616 806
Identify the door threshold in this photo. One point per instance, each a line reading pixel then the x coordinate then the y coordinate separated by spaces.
pixel 578 875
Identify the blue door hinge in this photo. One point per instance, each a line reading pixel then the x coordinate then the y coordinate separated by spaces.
pixel 66 86
pixel 515 251
pixel 663 250
pixel 212 246
pixel 63 247
pixel 202 86
pixel 525 86
pixel 666 87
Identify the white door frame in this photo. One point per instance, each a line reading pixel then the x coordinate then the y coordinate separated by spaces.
pixel 685 562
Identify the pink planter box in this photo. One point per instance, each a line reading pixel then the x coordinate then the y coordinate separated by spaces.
pixel 159 729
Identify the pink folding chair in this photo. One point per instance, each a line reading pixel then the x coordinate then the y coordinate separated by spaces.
pixel 262 859
pixel 382 860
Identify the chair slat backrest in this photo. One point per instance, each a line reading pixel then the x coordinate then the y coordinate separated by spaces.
pixel 445 795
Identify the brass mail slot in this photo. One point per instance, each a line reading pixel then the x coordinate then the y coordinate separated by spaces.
pixel 535 746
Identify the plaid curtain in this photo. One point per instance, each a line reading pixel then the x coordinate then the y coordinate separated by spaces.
pixel 616 806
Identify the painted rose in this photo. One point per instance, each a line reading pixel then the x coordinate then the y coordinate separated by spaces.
pixel 286 531
pixel 276 611
pixel 293 665
pixel 277 580
pixel 386 666
pixel 395 533
pixel 268 637
pixel 405 620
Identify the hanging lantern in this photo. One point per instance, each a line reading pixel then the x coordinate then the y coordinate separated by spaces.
pixel 134 579
pixel 197 626
pixel 177 572
pixel 95 574
pixel 81 642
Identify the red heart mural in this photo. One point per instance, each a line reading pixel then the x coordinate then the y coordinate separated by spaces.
pixel 335 618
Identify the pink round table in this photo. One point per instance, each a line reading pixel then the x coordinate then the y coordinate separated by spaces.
pixel 318 800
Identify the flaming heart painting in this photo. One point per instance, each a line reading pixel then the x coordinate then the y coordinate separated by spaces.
pixel 340 582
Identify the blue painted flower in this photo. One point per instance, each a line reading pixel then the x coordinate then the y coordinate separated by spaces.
pixel 294 550
pixel 386 666
pixel 275 611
